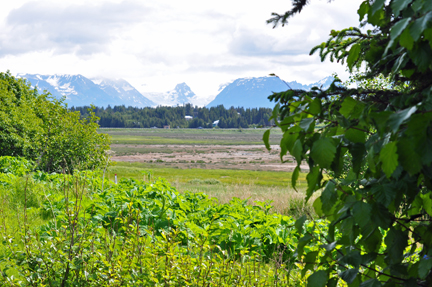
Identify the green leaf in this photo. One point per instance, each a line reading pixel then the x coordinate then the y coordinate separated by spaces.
pixel 299 224
pixel 323 152
pixel 317 205
pixel 305 123
pixel 266 137
pixel 399 5
pixel 313 179
pixel 425 267
pixel 349 275
pixel 295 176
pixel 397 29
pixel 406 40
pixel 297 151
pixel 318 279
pixel 396 119
pixel 289 137
pixel 352 258
pixel 420 25
pixel 408 156
pixel 371 160
pixel 361 212
pixel 363 10
pixel 396 241
pixel 377 5
pixel 347 106
pixel 371 283
pixel 356 136
pixel 315 106
pixel 328 197
pixel 389 158
pixel 353 55
pixel 427 202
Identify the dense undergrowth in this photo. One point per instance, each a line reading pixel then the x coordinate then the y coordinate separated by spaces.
pixel 84 230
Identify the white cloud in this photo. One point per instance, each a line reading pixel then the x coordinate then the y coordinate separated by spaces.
pixel 159 43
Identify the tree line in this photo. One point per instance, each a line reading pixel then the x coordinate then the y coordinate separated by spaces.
pixel 186 116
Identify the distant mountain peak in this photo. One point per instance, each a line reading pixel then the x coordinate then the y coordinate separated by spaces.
pixel 181 94
pixel 81 91
pixel 253 92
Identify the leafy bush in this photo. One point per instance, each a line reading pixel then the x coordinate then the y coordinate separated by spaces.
pixel 40 128
pixel 87 232
pixel 375 140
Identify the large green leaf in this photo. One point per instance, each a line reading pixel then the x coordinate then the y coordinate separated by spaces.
pixel 420 25
pixel 318 279
pixel 297 151
pixel 347 106
pixel 361 212
pixel 408 156
pixel 396 119
pixel 295 176
pixel 406 40
pixel 399 27
pixel 323 152
pixel 329 196
pixel 355 135
pixel 353 55
pixel 349 275
pixel 399 5
pixel 266 137
pixel 377 5
pixel 389 158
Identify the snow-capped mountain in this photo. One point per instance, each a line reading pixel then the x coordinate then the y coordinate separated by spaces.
pixel 181 94
pixel 253 92
pixel 81 91
pixel 124 91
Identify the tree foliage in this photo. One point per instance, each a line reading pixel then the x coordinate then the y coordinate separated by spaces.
pixel 40 128
pixel 133 117
pixel 369 150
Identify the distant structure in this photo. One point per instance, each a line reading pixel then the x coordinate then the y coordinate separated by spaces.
pixel 188 117
pixel 166 127
pixel 215 123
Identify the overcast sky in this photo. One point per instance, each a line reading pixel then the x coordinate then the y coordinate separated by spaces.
pixel 156 44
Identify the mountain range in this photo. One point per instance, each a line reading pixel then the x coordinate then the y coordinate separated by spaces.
pixel 253 92
pixel 78 90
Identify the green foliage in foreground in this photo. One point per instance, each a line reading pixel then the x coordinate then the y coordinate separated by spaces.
pixel 61 230
pixel 376 142
pixel 40 128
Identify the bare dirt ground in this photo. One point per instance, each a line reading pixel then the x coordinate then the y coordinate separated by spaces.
pixel 249 157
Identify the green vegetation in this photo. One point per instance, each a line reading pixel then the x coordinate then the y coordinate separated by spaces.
pixel 84 230
pixel 132 117
pixel 375 140
pixel 40 128
pixel 227 176
pixel 189 136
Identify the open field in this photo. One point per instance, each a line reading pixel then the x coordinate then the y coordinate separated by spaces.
pixel 225 184
pixel 199 148
pixel 190 136
pixel 223 163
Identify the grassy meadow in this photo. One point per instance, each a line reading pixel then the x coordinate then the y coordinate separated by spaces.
pixel 224 184
pixel 190 136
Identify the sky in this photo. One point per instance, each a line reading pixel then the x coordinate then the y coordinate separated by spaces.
pixel 156 44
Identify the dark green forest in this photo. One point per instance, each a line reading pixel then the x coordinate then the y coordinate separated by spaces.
pixel 132 117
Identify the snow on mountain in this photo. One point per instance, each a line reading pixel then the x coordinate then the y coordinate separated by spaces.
pixel 253 92
pixel 77 90
pixel 124 91
pixel 182 94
